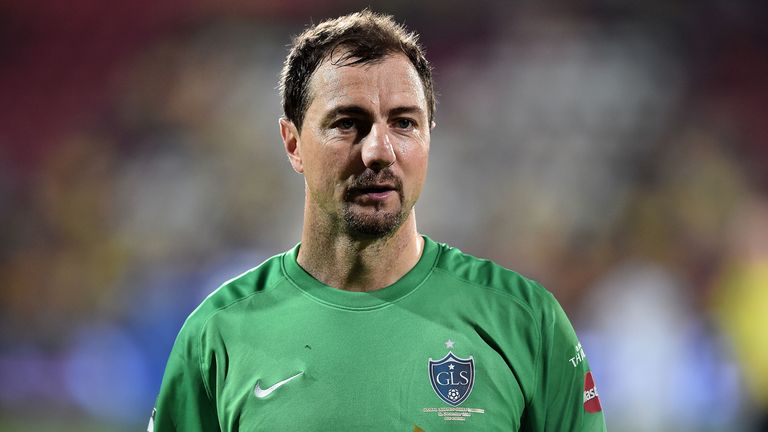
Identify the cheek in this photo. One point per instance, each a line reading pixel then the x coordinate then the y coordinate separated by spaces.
pixel 414 154
pixel 421 170
pixel 414 166
pixel 327 169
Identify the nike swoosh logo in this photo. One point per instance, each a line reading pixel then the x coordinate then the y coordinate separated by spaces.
pixel 262 393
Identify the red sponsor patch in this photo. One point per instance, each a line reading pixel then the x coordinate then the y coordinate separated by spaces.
pixel 591 399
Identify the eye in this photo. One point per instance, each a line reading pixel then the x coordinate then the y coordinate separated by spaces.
pixel 345 124
pixel 404 123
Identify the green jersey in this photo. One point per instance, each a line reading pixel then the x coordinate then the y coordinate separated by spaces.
pixel 457 344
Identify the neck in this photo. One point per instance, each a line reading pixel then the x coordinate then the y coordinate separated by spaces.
pixel 341 261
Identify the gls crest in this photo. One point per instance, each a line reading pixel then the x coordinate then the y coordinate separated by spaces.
pixel 452 378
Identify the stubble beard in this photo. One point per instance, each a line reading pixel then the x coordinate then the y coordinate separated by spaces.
pixel 380 223
pixel 376 223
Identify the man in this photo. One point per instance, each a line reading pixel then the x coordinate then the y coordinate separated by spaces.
pixel 367 325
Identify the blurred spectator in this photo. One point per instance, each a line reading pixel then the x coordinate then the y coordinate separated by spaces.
pixel 741 300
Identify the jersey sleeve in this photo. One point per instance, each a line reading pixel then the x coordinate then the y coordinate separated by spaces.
pixel 565 397
pixel 184 403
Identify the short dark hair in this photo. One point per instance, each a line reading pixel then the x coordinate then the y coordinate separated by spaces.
pixel 366 37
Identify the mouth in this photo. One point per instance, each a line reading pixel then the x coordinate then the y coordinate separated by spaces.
pixel 375 188
pixel 374 193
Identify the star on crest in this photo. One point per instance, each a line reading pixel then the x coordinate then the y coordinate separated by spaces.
pixel 449 344
pixel 450 367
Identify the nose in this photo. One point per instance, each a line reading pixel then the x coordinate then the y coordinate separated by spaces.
pixel 377 151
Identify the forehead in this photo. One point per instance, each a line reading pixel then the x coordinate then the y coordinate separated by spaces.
pixel 389 82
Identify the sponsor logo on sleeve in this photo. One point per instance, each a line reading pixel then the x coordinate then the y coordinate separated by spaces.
pixel 579 355
pixel 591 398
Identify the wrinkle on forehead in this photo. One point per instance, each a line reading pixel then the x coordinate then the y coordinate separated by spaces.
pixel 392 77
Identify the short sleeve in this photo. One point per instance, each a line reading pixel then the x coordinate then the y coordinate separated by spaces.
pixel 565 397
pixel 184 403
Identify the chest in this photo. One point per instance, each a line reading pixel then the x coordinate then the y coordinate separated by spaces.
pixel 393 371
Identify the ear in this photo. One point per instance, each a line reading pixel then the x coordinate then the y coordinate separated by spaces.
pixel 291 143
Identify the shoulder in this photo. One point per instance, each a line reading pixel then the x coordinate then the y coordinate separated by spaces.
pixel 488 278
pixel 256 281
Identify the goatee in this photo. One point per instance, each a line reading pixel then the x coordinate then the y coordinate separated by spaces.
pixel 379 223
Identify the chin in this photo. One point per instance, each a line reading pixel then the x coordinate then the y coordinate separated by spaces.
pixel 376 225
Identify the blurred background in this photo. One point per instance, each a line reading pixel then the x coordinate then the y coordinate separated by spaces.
pixel 617 153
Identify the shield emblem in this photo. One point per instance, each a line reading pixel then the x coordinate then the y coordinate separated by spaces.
pixel 452 378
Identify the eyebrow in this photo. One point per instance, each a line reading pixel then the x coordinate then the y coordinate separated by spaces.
pixel 344 110
pixel 413 109
pixel 356 110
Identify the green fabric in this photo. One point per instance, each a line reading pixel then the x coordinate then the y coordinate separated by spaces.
pixel 363 358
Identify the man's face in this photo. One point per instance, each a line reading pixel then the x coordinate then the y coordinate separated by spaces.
pixel 364 144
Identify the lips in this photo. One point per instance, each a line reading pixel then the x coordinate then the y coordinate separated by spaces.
pixel 373 193
pixel 374 189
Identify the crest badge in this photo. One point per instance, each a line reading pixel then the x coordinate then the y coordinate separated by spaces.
pixel 452 378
